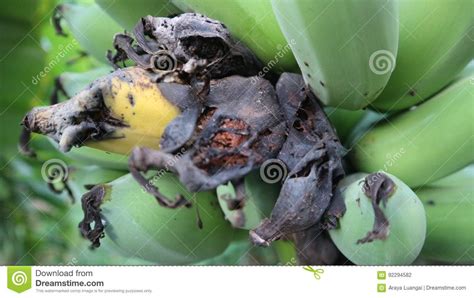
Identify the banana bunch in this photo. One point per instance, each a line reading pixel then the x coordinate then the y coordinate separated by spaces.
pixel 93 29
pixel 449 205
pixel 127 13
pixel 346 50
pixel 254 24
pixel 426 143
pixel 142 228
pixel 436 42
pixel 113 114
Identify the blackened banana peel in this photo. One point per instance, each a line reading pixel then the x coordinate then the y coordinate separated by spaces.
pixel 312 153
pixel 186 47
pixel 234 123
pixel 234 131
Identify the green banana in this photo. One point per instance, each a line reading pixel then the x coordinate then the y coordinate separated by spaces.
pixel 436 42
pixel 254 24
pixel 93 29
pixel 424 144
pixel 405 235
pixel 345 49
pixel 88 155
pixel 127 13
pixel 468 70
pixel 259 198
pixel 461 178
pixel 81 177
pixel 141 227
pixel 449 211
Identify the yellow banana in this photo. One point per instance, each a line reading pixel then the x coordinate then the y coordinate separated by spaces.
pixel 115 113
